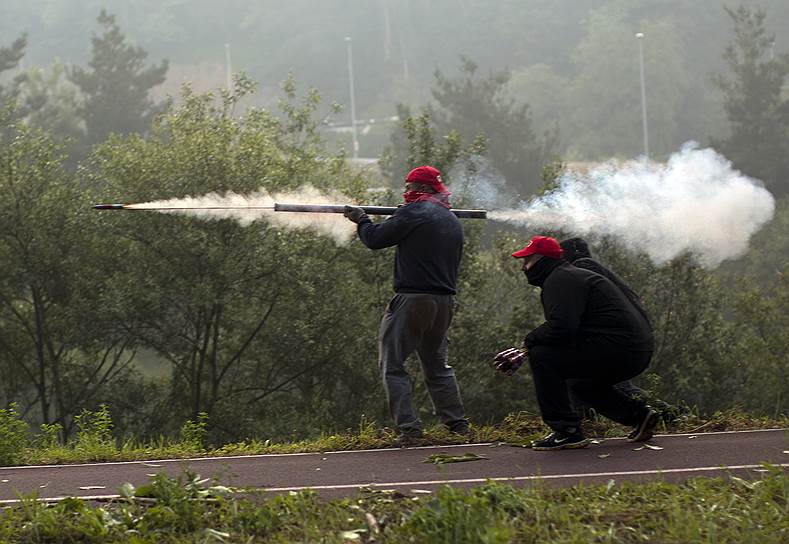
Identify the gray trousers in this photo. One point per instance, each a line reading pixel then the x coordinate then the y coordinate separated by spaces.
pixel 419 322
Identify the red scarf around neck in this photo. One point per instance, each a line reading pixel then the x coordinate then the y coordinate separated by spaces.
pixel 417 196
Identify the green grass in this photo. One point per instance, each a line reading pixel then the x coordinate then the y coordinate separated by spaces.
pixel 702 510
pixel 94 442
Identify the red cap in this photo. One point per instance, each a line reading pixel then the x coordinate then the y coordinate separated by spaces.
pixel 427 175
pixel 541 245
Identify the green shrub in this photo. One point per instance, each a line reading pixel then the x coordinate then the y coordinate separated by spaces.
pixel 49 437
pixel 94 434
pixel 193 433
pixel 13 436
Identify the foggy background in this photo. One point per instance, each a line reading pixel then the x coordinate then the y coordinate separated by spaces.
pixel 574 63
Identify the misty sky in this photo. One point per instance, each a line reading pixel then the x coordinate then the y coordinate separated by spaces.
pixel 558 51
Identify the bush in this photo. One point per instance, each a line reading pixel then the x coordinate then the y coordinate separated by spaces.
pixel 13 436
pixel 94 435
pixel 193 433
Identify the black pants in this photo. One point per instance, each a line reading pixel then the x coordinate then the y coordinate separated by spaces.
pixel 590 371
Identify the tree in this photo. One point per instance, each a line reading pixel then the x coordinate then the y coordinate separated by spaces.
pixel 474 106
pixel 764 316
pixel 757 109
pixel 601 107
pixel 52 335
pixel 417 141
pixel 50 102
pixel 251 319
pixel 9 59
pixel 116 88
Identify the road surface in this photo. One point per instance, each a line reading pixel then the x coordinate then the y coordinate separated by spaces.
pixel 668 457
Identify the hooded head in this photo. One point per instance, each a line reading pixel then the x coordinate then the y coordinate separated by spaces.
pixel 574 249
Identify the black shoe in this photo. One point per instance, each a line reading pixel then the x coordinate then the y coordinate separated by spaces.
pixel 646 429
pixel 410 438
pixel 460 428
pixel 561 441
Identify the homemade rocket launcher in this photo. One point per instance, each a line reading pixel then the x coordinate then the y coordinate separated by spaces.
pixel 279 207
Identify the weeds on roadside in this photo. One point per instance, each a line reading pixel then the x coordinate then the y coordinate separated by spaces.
pixel 95 441
pixel 193 509
pixel 13 436
pixel 194 433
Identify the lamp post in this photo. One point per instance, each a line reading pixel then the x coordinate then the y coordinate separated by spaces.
pixel 349 42
pixel 228 69
pixel 640 38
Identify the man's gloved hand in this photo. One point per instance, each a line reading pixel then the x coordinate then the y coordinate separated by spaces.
pixel 354 213
pixel 510 360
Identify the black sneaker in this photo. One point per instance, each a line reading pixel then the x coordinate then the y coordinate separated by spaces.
pixel 410 438
pixel 461 427
pixel 561 441
pixel 646 429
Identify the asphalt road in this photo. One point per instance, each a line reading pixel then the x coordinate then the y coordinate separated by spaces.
pixel 670 458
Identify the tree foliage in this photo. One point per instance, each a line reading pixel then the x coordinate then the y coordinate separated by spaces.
pixel 9 59
pixel 116 87
pixel 231 309
pixel 755 104
pixel 418 141
pixel 46 243
pixel 50 102
pixel 481 107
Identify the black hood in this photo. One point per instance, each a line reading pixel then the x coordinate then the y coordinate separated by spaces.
pixel 575 248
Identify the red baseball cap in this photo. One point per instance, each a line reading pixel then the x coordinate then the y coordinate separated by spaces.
pixel 427 175
pixel 541 245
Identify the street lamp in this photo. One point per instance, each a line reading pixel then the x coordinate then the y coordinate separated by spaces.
pixel 228 69
pixel 640 38
pixel 348 41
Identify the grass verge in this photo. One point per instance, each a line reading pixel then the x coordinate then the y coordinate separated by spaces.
pixel 720 510
pixel 94 442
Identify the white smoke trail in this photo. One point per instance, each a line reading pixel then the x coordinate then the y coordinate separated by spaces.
pixel 695 202
pixel 331 224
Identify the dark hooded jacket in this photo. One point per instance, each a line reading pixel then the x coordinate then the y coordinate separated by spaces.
pixel 576 251
pixel 581 306
pixel 429 240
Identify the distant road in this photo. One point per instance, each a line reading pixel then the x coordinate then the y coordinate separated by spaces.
pixel 334 474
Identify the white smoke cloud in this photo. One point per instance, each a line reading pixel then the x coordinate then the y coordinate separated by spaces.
pixel 485 188
pixel 260 205
pixel 695 202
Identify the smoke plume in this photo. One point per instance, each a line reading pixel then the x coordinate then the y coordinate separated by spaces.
pixel 695 202
pixel 334 225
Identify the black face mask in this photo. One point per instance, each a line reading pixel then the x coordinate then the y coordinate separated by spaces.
pixel 532 275
pixel 539 271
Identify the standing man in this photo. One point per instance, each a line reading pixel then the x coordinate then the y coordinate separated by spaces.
pixel 592 338
pixel 429 244
pixel 576 252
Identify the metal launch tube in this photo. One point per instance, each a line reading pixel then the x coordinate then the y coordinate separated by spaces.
pixel 372 210
pixel 279 207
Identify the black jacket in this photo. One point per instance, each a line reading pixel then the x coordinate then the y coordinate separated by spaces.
pixel 580 305
pixel 589 263
pixel 576 251
pixel 429 240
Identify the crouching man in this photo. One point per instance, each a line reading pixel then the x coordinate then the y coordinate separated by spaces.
pixel 592 339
